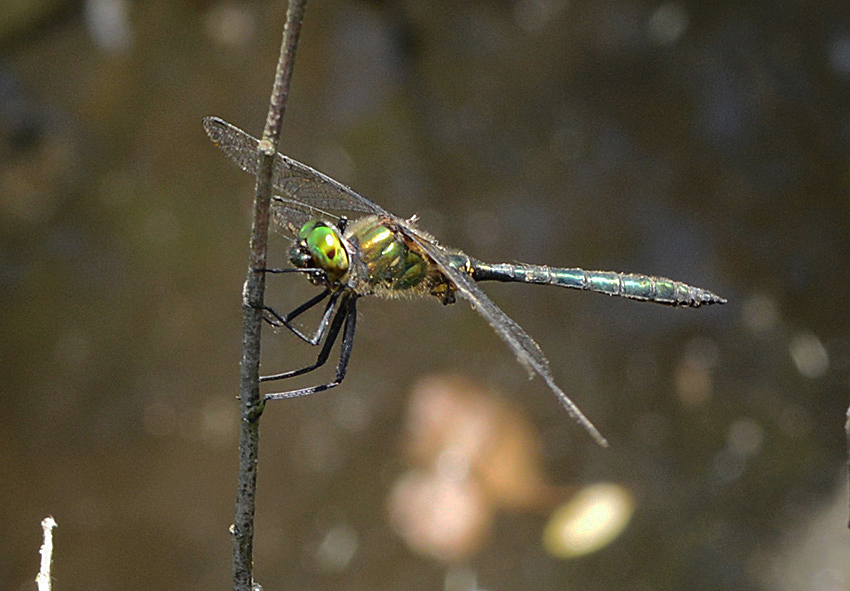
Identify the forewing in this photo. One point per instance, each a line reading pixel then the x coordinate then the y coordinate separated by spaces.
pixel 523 346
pixel 288 212
pixel 297 181
pixel 308 191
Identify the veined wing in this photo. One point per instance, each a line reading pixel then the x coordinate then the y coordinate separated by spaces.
pixel 289 212
pixel 289 177
pixel 527 351
pixel 309 190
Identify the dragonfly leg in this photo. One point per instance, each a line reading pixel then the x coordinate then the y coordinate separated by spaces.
pixel 316 276
pixel 348 313
pixel 278 320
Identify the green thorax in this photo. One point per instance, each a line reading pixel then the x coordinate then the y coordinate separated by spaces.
pixel 382 257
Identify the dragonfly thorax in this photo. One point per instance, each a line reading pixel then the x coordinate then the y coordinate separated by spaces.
pixel 383 261
pixel 319 246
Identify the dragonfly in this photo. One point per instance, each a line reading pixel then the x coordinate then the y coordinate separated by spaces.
pixel 364 250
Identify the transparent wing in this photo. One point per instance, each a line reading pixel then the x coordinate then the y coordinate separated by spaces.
pixel 300 183
pixel 526 350
pixel 309 192
pixel 288 212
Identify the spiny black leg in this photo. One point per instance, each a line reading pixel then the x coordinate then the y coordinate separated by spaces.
pixel 310 271
pixel 332 335
pixel 277 320
pixel 317 276
pixel 348 310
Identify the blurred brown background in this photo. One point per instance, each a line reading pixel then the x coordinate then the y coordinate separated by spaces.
pixel 707 142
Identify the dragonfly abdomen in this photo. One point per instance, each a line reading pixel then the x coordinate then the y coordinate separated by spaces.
pixel 627 285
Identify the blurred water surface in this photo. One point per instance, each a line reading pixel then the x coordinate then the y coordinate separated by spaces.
pixel 704 142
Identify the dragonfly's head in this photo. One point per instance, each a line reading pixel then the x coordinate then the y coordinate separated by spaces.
pixel 319 246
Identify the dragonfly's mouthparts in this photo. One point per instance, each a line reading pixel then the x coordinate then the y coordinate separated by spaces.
pixel 300 257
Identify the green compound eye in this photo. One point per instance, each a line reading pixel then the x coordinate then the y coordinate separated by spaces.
pixel 326 248
pixel 304 233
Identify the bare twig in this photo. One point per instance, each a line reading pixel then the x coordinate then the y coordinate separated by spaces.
pixel 252 301
pixel 847 433
pixel 43 579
